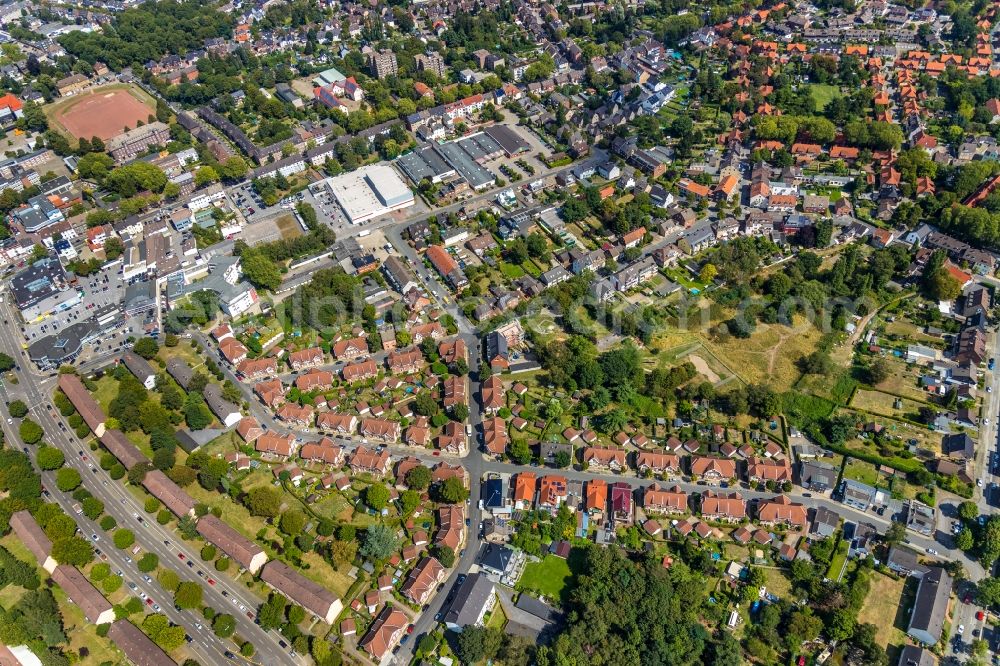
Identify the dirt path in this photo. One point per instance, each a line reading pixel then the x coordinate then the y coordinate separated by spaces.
pixel 702 367
pixel 772 356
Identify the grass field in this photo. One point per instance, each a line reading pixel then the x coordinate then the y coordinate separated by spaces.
pixel 778 583
pixel 547 578
pixel 288 227
pixel 770 355
pixel 511 271
pixel 877 402
pixel 883 603
pixel 823 94
pixel 102 112
pixel 862 471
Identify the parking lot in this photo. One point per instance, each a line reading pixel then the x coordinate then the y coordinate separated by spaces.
pixel 99 291
pixel 250 205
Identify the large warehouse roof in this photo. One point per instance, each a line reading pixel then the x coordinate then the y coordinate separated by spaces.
pixel 369 192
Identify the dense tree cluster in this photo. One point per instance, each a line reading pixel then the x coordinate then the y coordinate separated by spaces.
pixel 149 32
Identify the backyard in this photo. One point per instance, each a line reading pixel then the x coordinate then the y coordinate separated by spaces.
pixel 547 578
pixel 882 603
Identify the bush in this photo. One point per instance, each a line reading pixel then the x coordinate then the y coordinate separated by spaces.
pixel 247 649
pixel 222 564
pixel 17 409
pixel 163 516
pixel 208 553
pixel 152 504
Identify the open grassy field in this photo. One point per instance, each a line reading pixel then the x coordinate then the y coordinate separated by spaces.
pixel 823 94
pixel 902 380
pixel 546 578
pixel 862 471
pixel 907 329
pixel 877 402
pixel 882 608
pixel 770 355
pixel 288 227
pixel 102 112
pixel 778 583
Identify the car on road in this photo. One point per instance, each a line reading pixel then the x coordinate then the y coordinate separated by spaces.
pixel 980 615
pixel 95 538
pixel 961 629
pixel 211 582
pixel 147 578
pixel 229 655
pixel 190 564
pixel 979 482
pixel 149 601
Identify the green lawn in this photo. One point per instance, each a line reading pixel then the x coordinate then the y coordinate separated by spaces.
pixel 823 94
pixel 511 271
pixel 546 578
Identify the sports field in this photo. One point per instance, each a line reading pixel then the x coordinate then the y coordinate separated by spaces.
pixel 102 112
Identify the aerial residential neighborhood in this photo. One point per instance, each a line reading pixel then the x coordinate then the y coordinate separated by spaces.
pixel 491 332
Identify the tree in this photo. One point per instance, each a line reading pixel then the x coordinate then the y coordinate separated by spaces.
pixel 196 413
pixel 188 595
pixel 292 522
pixel 562 459
pixel 30 432
pixel 477 643
pixel 148 562
pixel 964 540
pixel 17 409
pixel 520 452
pixel 419 478
pixel 146 348
pixel 50 458
pixel 271 613
pixel 451 491
pixel 171 638
pixel 708 273
pixel 124 538
pixel 224 625
pixel 377 496
pixel 205 175
pixel 92 508
pixel 425 404
pixel 942 286
pixel 879 370
pixel 379 542
pixel 968 511
pixel 409 500
pixel 260 271
pixel 988 592
pixel 73 550
pixel 895 534
pixel 445 555
pixel 169 580
pixel 67 479
pixel 263 501
pixel 6 362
